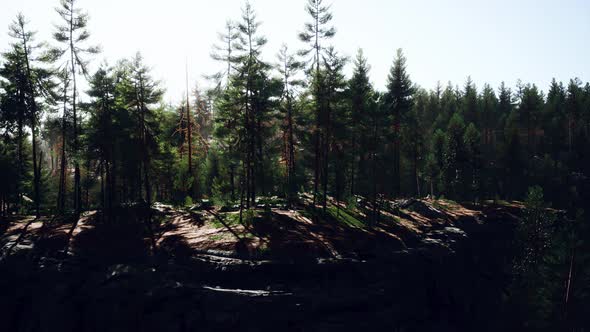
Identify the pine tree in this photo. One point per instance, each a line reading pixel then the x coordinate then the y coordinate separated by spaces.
pixel 72 35
pixel 454 157
pixel 435 162
pixel 573 109
pixel 554 119
pixel 469 105
pixel 64 99
pixel 103 93
pixel 245 108
pixel 315 33
pixel 37 83
pixel 529 109
pixel 399 102
pixel 15 113
pixel 224 52
pixel 333 83
pixel 488 104
pixel 289 67
pixel 449 105
pixel 413 133
pixel 142 92
pixel 13 144
pixel 361 97
pixel 472 141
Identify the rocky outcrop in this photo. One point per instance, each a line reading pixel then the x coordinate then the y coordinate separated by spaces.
pixel 450 280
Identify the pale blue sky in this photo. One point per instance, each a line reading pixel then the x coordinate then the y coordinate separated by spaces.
pixel 493 41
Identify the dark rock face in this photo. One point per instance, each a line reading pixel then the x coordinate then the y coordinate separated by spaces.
pixel 451 280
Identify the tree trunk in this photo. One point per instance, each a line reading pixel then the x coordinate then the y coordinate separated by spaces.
pixel 61 197
pixel 102 192
pixel 396 159
pixel 231 181
pixel 569 283
pixel 352 164
pixel 327 141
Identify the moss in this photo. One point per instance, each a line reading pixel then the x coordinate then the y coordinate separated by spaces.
pixel 230 219
pixel 439 206
pixel 345 217
pixel 217 237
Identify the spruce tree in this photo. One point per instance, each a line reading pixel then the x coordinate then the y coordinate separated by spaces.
pixel 333 84
pixel 454 157
pixel 399 102
pixel 529 110
pixel 361 96
pixel 469 107
pixel 102 91
pixel 472 174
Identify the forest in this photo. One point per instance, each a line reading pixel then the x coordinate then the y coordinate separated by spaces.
pixel 295 133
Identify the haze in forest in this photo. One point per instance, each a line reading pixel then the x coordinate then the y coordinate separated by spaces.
pixel 491 41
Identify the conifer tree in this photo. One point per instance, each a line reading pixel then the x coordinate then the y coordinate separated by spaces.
pixel 454 156
pixel 36 83
pixel 554 119
pixel 317 31
pixel 103 93
pixel 472 173
pixel 529 109
pixel 225 52
pixel 469 102
pixel 142 92
pixel 15 114
pixel 361 97
pixel 64 100
pixel 489 116
pixel 73 35
pixel 289 67
pixel 399 102
pixel 413 133
pixel 333 84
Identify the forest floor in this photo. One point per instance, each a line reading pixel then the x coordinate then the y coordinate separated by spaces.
pixel 272 233
pixel 424 265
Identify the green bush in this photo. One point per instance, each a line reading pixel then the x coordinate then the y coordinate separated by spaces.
pixel 248 217
pixel 220 195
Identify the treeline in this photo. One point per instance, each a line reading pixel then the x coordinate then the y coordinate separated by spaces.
pixel 283 127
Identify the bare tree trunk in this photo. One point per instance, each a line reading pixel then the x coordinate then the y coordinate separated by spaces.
pixel 61 197
pixel 352 164
pixel 102 192
pixel 33 102
pixel 77 187
pixel 396 159
pixel 191 185
pixel 109 191
pixel 318 113
pixel 327 142
pixel 231 181
pixel 242 194
pixel 87 185
pixel 36 170
pixel 415 171
pixel 569 283
pixel 291 154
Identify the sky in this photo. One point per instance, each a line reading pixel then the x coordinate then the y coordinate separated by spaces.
pixel 491 41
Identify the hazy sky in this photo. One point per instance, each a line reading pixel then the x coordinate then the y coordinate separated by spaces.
pixel 493 41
